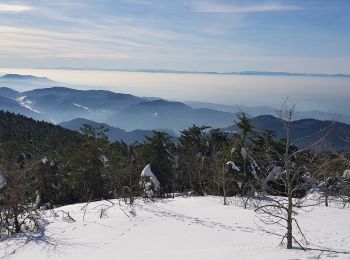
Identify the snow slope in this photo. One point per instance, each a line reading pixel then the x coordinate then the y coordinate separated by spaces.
pixel 180 228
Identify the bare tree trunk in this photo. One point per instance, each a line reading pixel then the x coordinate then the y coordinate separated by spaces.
pixel 174 182
pixel 325 191
pixel 224 184
pixel 289 182
pixel 16 222
pixel 289 221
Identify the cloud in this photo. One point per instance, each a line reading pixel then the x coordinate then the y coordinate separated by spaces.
pixel 14 8
pixel 211 7
pixel 39 43
pixel 108 40
pixel 136 2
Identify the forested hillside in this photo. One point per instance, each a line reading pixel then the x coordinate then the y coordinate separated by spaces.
pixel 38 136
pixel 43 165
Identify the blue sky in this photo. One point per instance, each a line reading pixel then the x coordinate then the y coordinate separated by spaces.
pixel 209 35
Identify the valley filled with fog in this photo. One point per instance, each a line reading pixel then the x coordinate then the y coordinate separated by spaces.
pixel 327 94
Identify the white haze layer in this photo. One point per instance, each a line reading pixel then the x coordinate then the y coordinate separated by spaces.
pixel 307 93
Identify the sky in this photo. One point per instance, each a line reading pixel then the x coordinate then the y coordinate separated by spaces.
pixel 311 36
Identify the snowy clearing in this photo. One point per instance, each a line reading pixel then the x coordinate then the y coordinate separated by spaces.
pixel 180 228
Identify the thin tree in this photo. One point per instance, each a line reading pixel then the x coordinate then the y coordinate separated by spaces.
pixel 291 183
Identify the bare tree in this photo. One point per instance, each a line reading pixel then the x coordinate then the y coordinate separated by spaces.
pixel 290 184
pixel 19 198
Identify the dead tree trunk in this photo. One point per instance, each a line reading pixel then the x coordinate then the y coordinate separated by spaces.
pixel 224 184
pixel 290 223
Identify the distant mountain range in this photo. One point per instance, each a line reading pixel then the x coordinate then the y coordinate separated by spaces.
pixel 26 79
pixel 58 104
pixel 324 135
pixel 131 118
pixel 114 133
pixel 246 73
pixel 266 110
pixel 26 82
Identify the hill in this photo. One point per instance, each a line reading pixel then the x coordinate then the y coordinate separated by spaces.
pixel 58 104
pixel 114 133
pixel 253 111
pixel 25 82
pixel 305 132
pixel 8 104
pixel 39 136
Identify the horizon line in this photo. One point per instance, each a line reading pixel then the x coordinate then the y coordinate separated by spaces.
pixel 174 71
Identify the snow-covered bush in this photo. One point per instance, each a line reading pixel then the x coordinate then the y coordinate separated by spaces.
pixel 149 182
pixel 346 174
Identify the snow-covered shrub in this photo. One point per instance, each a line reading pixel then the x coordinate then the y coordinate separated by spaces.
pixel 149 182
pixel 346 174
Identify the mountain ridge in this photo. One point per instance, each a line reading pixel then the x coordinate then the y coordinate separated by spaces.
pixel 318 134
pixel 113 133
pixel 243 73
pixel 125 112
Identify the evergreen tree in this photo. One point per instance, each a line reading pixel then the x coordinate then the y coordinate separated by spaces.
pixel 193 150
pixel 88 164
pixel 159 151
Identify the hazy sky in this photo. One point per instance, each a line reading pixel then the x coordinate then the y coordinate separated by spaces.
pixel 213 35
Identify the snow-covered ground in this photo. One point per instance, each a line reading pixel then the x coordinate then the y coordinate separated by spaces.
pixel 180 228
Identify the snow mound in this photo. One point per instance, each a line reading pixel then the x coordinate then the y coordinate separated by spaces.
pixel 233 166
pixel 2 181
pixel 274 173
pixel 44 160
pixel 346 174
pixel 148 172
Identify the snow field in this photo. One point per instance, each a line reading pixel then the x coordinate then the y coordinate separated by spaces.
pixel 181 228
